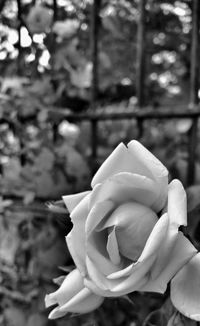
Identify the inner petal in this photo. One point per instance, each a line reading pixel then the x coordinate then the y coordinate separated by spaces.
pixel 97 252
pixel 133 224
pixel 112 247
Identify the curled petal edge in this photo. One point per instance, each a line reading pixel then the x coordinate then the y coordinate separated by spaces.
pixel 72 297
pixel 71 201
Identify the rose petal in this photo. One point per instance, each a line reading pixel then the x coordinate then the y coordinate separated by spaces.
pixel 137 279
pixel 145 161
pixel 135 159
pixel 112 248
pixel 165 250
pixel 96 251
pixel 76 238
pixel 185 289
pixel 80 212
pixel 97 213
pixel 156 237
pixel 85 301
pixel 95 289
pixel 71 201
pixel 182 252
pixel 96 241
pixel 95 275
pixel 177 203
pixel 105 293
pixel 72 297
pixel 133 222
pixel 72 284
pixel 56 313
pixel 118 161
pixel 151 247
pixel 125 187
pixel 101 285
pixel 77 251
pixel 151 167
pixel 177 216
pixel 122 273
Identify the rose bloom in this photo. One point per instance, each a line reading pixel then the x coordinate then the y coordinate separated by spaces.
pixel 126 237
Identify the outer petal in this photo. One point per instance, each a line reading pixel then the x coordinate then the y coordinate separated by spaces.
pixel 76 238
pixel 72 284
pixel 135 159
pixel 103 286
pixel 182 253
pixel 124 187
pixel 177 213
pixel 146 162
pixel 152 166
pixel 71 201
pixel 118 161
pixel 185 289
pixel 72 297
pixel 137 279
pixel 155 239
pixel 84 302
pixel 95 289
pixel 177 203
pixel 81 211
pixel 117 287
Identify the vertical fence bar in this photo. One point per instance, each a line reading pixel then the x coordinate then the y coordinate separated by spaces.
pixel 94 86
pixel 194 87
pixel 2 4
pixel 55 17
pixel 55 10
pixel 140 60
pixel 19 8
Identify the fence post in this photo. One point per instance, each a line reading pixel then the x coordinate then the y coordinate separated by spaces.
pixel 55 10
pixel 2 4
pixel 140 60
pixel 19 8
pixel 19 16
pixel 194 88
pixel 55 17
pixel 94 85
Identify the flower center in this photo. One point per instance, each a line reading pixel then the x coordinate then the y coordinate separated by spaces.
pixel 132 225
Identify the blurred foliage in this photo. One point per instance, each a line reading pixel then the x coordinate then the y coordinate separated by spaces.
pixel 46 68
pixel 55 47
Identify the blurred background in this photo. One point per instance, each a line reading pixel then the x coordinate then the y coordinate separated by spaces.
pixel 77 78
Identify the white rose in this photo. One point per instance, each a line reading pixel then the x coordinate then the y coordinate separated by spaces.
pixel 125 234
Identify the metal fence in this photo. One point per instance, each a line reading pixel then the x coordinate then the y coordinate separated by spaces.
pixel 141 113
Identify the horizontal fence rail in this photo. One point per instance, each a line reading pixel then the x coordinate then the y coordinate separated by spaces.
pixel 145 114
